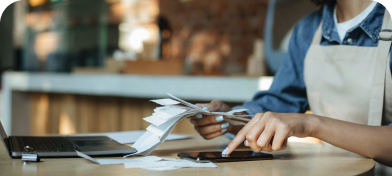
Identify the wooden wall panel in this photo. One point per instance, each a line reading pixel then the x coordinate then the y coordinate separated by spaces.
pixel 69 114
pixel 39 123
pixel 131 115
pixel 68 119
pixel 33 112
pixel 54 113
pixel 109 114
pixel 87 114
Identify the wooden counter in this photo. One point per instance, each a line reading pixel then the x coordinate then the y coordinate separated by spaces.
pixel 50 103
pixel 297 159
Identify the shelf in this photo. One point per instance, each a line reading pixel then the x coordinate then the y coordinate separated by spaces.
pixel 230 89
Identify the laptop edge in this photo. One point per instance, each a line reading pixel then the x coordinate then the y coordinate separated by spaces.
pixel 90 145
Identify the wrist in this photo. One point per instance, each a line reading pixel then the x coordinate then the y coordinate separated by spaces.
pixel 312 124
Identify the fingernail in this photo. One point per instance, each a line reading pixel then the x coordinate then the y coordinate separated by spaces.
pixel 199 116
pixel 225 125
pixel 225 151
pixel 224 130
pixel 206 108
pixel 219 118
pixel 246 143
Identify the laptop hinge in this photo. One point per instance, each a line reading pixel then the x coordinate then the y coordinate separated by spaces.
pixel 7 145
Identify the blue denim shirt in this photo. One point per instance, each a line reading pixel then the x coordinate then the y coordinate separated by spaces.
pixel 288 92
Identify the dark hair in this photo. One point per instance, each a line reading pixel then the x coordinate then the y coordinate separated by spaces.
pixel 320 2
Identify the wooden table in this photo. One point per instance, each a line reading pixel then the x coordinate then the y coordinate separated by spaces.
pixel 297 159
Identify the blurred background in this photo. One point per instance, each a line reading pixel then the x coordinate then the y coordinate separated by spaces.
pixel 75 41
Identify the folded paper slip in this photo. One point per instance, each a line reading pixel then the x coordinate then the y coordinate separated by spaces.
pixel 165 118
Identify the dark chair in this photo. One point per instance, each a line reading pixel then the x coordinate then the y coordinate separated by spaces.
pixel 282 15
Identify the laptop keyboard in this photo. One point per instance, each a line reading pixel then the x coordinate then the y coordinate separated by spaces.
pixel 44 144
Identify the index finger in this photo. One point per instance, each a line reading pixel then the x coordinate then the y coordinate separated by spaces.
pixel 240 137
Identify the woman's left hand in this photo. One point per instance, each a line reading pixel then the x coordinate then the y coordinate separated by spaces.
pixel 269 131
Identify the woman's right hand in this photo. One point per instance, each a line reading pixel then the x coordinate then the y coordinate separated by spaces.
pixel 269 131
pixel 212 126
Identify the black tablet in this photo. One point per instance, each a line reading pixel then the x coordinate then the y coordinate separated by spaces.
pixel 218 157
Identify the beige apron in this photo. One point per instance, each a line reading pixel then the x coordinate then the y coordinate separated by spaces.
pixel 350 83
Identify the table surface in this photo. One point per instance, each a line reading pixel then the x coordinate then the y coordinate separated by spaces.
pixel 296 159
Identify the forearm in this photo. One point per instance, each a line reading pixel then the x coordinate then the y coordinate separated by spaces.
pixel 370 141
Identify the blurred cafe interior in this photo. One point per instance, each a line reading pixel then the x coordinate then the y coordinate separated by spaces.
pixel 84 66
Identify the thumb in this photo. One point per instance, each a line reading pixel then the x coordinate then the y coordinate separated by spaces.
pixel 203 105
pixel 218 106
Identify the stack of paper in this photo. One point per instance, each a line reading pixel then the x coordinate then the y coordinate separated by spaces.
pixel 150 162
pixel 165 118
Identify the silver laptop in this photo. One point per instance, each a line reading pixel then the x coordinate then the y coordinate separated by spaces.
pixel 62 146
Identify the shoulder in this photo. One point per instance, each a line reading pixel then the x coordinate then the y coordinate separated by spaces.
pixel 307 26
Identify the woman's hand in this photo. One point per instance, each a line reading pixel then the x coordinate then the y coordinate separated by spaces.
pixel 212 126
pixel 269 131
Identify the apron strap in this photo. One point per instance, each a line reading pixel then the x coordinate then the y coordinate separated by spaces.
pixel 387 114
pixel 379 77
pixel 317 36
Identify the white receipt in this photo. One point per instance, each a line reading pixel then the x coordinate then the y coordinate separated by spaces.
pixel 164 119
pixel 150 162
pixel 167 113
pixel 166 101
pixel 145 142
pixel 186 103
pixel 168 164
pixel 147 149
pixel 118 161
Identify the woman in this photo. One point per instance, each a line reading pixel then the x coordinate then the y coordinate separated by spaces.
pixel 338 65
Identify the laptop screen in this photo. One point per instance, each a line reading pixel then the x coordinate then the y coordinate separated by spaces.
pixel 4 137
pixel 6 9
